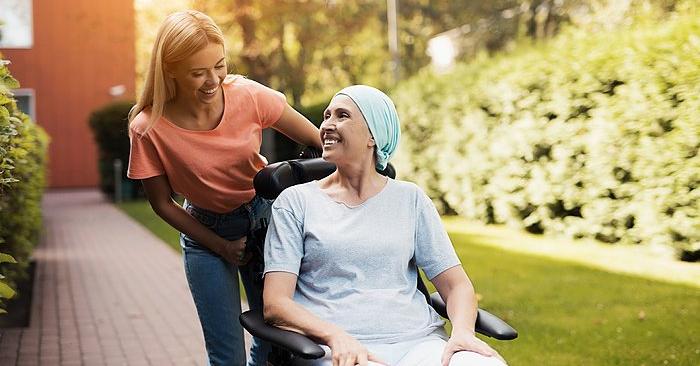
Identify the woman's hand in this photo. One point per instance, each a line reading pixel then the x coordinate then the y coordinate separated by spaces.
pixel 465 342
pixel 347 351
pixel 233 251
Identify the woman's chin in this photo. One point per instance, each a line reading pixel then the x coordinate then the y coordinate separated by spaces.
pixel 327 155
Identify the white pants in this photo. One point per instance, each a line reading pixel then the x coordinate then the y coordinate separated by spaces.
pixel 426 351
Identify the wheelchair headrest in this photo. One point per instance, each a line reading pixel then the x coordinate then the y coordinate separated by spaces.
pixel 276 177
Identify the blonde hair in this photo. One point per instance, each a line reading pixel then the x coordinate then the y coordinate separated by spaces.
pixel 182 34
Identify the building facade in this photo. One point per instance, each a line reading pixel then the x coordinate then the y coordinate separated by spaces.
pixel 70 57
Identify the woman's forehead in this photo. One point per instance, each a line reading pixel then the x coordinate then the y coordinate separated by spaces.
pixel 342 101
pixel 204 58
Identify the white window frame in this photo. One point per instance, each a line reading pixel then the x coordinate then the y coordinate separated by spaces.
pixel 27 92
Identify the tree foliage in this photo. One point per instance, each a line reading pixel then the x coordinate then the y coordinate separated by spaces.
pixel 591 135
pixel 308 49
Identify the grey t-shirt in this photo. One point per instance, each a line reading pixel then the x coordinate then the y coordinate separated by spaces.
pixel 356 266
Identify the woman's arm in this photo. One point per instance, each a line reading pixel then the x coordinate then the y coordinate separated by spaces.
pixel 457 291
pixel 280 310
pixel 295 126
pixel 159 195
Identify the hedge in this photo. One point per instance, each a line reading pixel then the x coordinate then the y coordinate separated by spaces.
pixel 23 147
pixel 590 135
pixel 110 129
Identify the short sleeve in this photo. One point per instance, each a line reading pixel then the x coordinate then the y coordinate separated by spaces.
pixel 284 241
pixel 144 161
pixel 269 103
pixel 434 251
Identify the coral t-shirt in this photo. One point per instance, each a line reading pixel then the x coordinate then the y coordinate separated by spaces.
pixel 213 169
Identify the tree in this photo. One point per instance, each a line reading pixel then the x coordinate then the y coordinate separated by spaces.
pixel 289 44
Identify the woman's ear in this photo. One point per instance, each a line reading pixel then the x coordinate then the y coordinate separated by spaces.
pixel 371 142
pixel 169 71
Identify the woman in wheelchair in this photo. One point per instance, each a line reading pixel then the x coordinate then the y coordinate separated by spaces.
pixel 342 253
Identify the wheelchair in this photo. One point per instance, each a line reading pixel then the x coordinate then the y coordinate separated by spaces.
pixel 293 349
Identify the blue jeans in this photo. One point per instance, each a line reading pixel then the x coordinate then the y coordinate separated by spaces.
pixel 214 283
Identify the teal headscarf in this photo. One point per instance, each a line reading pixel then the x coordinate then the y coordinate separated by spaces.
pixel 383 121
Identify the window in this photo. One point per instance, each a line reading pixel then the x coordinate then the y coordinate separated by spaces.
pixel 16 24
pixel 25 101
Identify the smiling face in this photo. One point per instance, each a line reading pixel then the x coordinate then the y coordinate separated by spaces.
pixel 198 77
pixel 344 133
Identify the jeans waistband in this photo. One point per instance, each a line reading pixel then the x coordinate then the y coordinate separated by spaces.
pixel 244 208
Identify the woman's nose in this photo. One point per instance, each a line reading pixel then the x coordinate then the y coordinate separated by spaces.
pixel 328 125
pixel 212 77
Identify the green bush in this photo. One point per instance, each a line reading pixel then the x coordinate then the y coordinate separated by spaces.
pixel 22 164
pixel 591 135
pixel 110 128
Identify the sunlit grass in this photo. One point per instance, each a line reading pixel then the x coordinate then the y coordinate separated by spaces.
pixel 569 314
pixel 654 262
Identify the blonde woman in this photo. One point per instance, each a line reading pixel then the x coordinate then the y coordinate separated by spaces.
pixel 197 131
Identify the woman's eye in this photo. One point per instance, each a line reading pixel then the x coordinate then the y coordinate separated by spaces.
pixel 220 67
pixel 344 115
pixel 326 116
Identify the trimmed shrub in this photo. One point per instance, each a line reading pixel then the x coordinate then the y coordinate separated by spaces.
pixel 23 147
pixel 110 128
pixel 591 135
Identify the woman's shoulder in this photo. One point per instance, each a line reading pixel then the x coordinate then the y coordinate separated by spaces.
pixel 410 193
pixel 241 84
pixel 295 200
pixel 298 191
pixel 140 122
pixel 406 187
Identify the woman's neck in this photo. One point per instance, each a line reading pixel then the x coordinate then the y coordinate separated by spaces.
pixel 194 115
pixel 353 184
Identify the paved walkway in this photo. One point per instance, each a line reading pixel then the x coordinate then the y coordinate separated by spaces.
pixel 107 292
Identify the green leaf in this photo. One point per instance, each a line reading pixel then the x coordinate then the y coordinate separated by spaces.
pixel 11 82
pixel 6 291
pixel 8 180
pixel 6 258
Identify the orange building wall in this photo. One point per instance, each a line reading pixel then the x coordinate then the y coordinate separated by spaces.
pixel 81 49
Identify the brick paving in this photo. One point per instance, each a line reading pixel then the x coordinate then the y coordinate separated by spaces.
pixel 106 292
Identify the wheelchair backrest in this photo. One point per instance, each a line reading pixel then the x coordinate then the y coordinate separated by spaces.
pixel 276 177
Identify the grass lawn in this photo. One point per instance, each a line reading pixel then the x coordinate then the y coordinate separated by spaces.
pixel 141 211
pixel 569 314
pixel 566 313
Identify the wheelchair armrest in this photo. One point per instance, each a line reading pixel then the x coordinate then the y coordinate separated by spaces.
pixel 293 342
pixel 486 323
